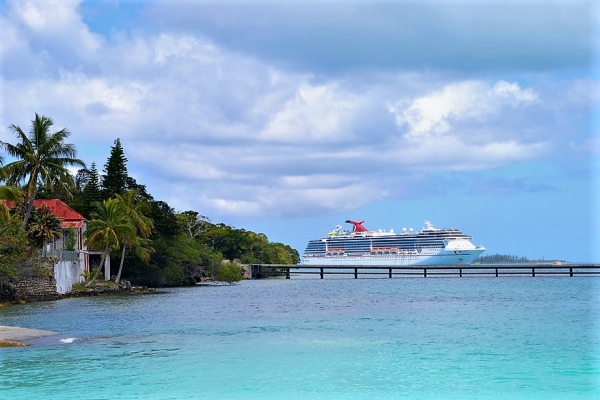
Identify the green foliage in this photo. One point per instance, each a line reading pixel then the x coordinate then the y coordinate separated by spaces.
pixel 78 287
pixel 14 248
pixel 247 246
pixel 88 275
pixel 115 177
pixel 42 158
pixel 91 194
pixel 187 246
pixel 109 228
pixel 8 193
pixel 193 223
pixel 70 240
pixel 499 259
pixel 165 221
pixel 43 226
pixel 284 254
pixel 229 272
pixel 135 209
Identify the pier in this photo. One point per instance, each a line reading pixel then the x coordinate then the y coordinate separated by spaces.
pixel 425 271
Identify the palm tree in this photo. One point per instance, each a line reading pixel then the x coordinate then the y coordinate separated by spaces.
pixel 44 227
pixel 10 193
pixel 107 230
pixel 42 157
pixel 134 212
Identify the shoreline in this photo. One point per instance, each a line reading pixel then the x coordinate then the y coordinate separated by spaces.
pixel 14 336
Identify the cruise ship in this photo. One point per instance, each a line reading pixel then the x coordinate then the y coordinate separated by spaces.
pixel 362 247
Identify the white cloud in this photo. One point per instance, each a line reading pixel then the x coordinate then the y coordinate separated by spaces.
pixel 238 199
pixel 317 114
pixel 230 134
pixel 56 22
pixel 184 47
pixel 438 114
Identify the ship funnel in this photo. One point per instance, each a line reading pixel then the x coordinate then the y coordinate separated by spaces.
pixel 358 227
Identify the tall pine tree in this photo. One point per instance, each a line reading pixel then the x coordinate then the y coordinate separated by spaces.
pixel 91 192
pixel 115 178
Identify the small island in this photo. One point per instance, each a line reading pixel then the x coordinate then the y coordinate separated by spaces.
pixel 510 259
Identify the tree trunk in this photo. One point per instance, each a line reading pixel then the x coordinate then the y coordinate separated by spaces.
pixel 29 207
pixel 118 279
pixel 104 254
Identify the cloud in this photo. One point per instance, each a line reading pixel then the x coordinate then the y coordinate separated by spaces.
pixel 232 133
pixel 322 113
pixel 333 37
pixel 433 116
pixel 48 30
pixel 467 125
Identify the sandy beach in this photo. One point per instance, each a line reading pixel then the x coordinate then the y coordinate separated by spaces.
pixel 15 336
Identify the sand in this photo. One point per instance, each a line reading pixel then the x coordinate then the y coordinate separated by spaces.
pixel 14 336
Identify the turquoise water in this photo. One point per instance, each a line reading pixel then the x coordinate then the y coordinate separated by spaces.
pixel 413 338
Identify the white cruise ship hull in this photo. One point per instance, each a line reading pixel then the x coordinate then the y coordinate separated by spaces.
pixel 425 258
pixel 361 247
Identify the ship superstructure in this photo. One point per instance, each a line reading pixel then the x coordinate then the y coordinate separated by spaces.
pixel 430 246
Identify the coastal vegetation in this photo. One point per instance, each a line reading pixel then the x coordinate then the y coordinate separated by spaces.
pixel 42 158
pixel 153 244
pixel 508 259
pixel 499 259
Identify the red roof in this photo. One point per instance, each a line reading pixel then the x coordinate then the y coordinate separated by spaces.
pixel 70 218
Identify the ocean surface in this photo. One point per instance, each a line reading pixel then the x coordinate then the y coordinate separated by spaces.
pixel 306 338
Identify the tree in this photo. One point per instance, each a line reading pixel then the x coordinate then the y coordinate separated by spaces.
pixel 134 212
pixel 229 271
pixel 165 220
pixel 107 230
pixel 115 178
pixel 70 240
pixel 42 158
pixel 142 193
pixel 43 226
pixel 82 177
pixel 10 193
pixel 193 223
pixel 92 194
pixel 14 248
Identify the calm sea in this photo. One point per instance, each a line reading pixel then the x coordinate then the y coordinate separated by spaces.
pixel 304 338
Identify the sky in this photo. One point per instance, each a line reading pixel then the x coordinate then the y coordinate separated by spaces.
pixel 288 118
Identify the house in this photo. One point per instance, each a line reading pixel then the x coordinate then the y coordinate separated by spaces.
pixel 70 219
pixel 69 265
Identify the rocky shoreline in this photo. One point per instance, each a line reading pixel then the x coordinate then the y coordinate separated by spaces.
pixel 108 291
pixel 33 289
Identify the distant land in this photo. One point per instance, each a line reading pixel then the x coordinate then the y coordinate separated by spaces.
pixel 508 259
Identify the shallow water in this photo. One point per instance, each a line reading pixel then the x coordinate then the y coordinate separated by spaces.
pixel 469 338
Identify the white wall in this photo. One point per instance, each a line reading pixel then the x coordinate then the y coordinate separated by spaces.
pixel 67 273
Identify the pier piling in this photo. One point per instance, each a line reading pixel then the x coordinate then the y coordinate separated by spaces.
pixel 571 270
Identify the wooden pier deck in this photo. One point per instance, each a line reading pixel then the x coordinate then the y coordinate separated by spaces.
pixel 427 271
